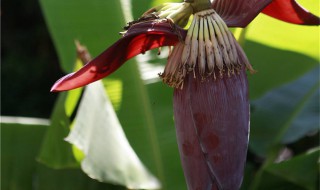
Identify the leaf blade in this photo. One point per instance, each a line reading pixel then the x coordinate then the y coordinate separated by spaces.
pixel 109 157
pixel 274 113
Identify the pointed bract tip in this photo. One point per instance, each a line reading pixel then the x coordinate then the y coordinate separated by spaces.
pixel 56 87
pixel 53 90
pixel 65 83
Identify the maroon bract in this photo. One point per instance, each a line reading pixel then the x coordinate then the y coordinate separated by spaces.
pixel 140 38
pixel 212 123
pixel 207 68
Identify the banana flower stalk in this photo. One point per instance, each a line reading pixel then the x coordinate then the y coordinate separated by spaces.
pixel 207 69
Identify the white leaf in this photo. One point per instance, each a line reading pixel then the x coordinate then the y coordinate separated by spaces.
pixel 108 154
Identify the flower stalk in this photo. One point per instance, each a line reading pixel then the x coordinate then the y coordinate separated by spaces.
pixel 199 5
pixel 178 13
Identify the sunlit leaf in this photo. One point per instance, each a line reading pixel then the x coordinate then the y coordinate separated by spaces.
pixel 114 90
pixel 158 2
pixel 108 155
pixel 279 115
pixel 285 36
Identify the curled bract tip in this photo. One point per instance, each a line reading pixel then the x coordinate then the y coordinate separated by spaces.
pixel 290 11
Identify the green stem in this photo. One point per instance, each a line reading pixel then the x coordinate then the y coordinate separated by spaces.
pixel 199 5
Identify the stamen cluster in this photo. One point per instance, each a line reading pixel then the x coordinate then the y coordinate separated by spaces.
pixel 209 48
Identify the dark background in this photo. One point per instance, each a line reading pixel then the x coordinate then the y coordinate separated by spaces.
pixel 29 61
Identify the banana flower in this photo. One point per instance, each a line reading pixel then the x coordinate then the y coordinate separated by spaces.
pixel 207 69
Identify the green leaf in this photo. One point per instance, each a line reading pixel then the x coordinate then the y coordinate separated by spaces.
pixel 275 183
pixel 19 145
pixel 55 152
pixel 278 116
pixel 306 121
pixel 108 155
pixel 20 142
pixel 68 179
pixel 138 7
pixel 161 105
pixel 248 175
pixel 94 23
pixel 300 172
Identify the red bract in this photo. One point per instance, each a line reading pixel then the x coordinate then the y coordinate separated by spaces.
pixel 138 39
pixel 290 11
pixel 240 13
